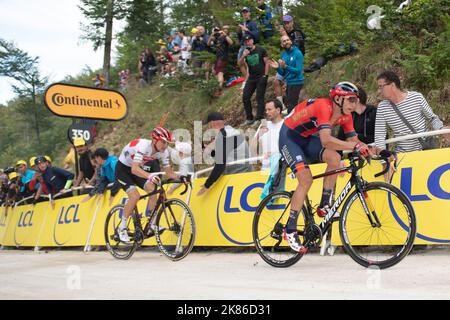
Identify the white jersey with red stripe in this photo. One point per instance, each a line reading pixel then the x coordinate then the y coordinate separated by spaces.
pixel 141 151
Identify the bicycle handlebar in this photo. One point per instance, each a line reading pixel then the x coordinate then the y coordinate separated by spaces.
pixel 380 158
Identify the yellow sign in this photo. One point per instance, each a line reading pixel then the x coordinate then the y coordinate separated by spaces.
pixel 84 102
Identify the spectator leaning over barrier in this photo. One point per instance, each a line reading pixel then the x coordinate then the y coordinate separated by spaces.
pixel 409 104
pixel 290 67
pixel 106 166
pixel 297 37
pixel 220 41
pixel 27 176
pixel 230 145
pixel 55 179
pixel 247 28
pixel 257 61
pixel 87 171
pixel 363 119
pixel 3 187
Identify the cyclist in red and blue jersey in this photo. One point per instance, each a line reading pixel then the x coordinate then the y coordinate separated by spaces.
pixel 298 144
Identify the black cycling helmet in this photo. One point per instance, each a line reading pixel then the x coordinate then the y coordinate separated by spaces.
pixel 39 159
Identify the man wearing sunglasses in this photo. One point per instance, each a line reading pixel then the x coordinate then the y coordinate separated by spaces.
pixel 298 145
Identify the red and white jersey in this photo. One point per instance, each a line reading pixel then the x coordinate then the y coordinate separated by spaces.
pixel 141 151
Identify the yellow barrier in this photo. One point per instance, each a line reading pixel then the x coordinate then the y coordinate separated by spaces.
pixel 224 214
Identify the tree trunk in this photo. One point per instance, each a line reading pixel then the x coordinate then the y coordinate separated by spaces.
pixel 33 97
pixel 108 41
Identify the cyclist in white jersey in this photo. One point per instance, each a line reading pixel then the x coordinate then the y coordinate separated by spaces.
pixel 130 174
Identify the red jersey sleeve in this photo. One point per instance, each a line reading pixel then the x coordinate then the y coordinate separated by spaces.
pixel 322 111
pixel 346 122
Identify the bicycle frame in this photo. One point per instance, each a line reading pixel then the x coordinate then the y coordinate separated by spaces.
pixel 355 180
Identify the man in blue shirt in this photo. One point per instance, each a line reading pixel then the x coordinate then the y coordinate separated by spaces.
pixel 290 66
pixel 106 166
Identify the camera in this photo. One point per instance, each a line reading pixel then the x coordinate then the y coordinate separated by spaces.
pixel 9 170
pixel 248 48
pixel 216 33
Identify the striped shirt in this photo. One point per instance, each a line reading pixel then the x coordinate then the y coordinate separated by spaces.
pixel 416 111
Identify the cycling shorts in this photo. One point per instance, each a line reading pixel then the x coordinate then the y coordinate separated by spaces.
pixel 126 179
pixel 298 150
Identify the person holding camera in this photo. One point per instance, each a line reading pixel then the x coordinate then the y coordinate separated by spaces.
pixel 257 61
pixel 220 40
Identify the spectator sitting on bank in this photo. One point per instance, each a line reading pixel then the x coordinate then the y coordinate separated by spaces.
pixel 246 28
pixel 363 119
pixel 229 145
pixel 87 171
pixel 265 18
pixel 290 68
pixel 220 41
pixel 410 105
pixel 186 165
pixel 165 58
pixel 257 62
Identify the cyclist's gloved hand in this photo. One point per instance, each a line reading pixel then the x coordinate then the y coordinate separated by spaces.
pixel 153 178
pixel 361 150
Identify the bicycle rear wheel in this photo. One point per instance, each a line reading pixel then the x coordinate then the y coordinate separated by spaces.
pixel 270 218
pixel 389 237
pixel 118 249
pixel 175 229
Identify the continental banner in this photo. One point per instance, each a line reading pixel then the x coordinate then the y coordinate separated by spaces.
pixel 224 214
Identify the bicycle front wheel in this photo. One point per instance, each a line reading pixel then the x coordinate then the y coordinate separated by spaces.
pixel 175 229
pixel 378 225
pixel 269 221
pixel 118 249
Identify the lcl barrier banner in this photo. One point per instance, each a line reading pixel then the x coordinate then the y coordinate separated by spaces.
pixel 224 215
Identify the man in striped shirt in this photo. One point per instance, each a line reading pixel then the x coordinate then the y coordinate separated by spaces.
pixel 412 105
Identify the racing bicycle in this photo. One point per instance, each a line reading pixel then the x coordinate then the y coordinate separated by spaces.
pixel 171 222
pixel 377 223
